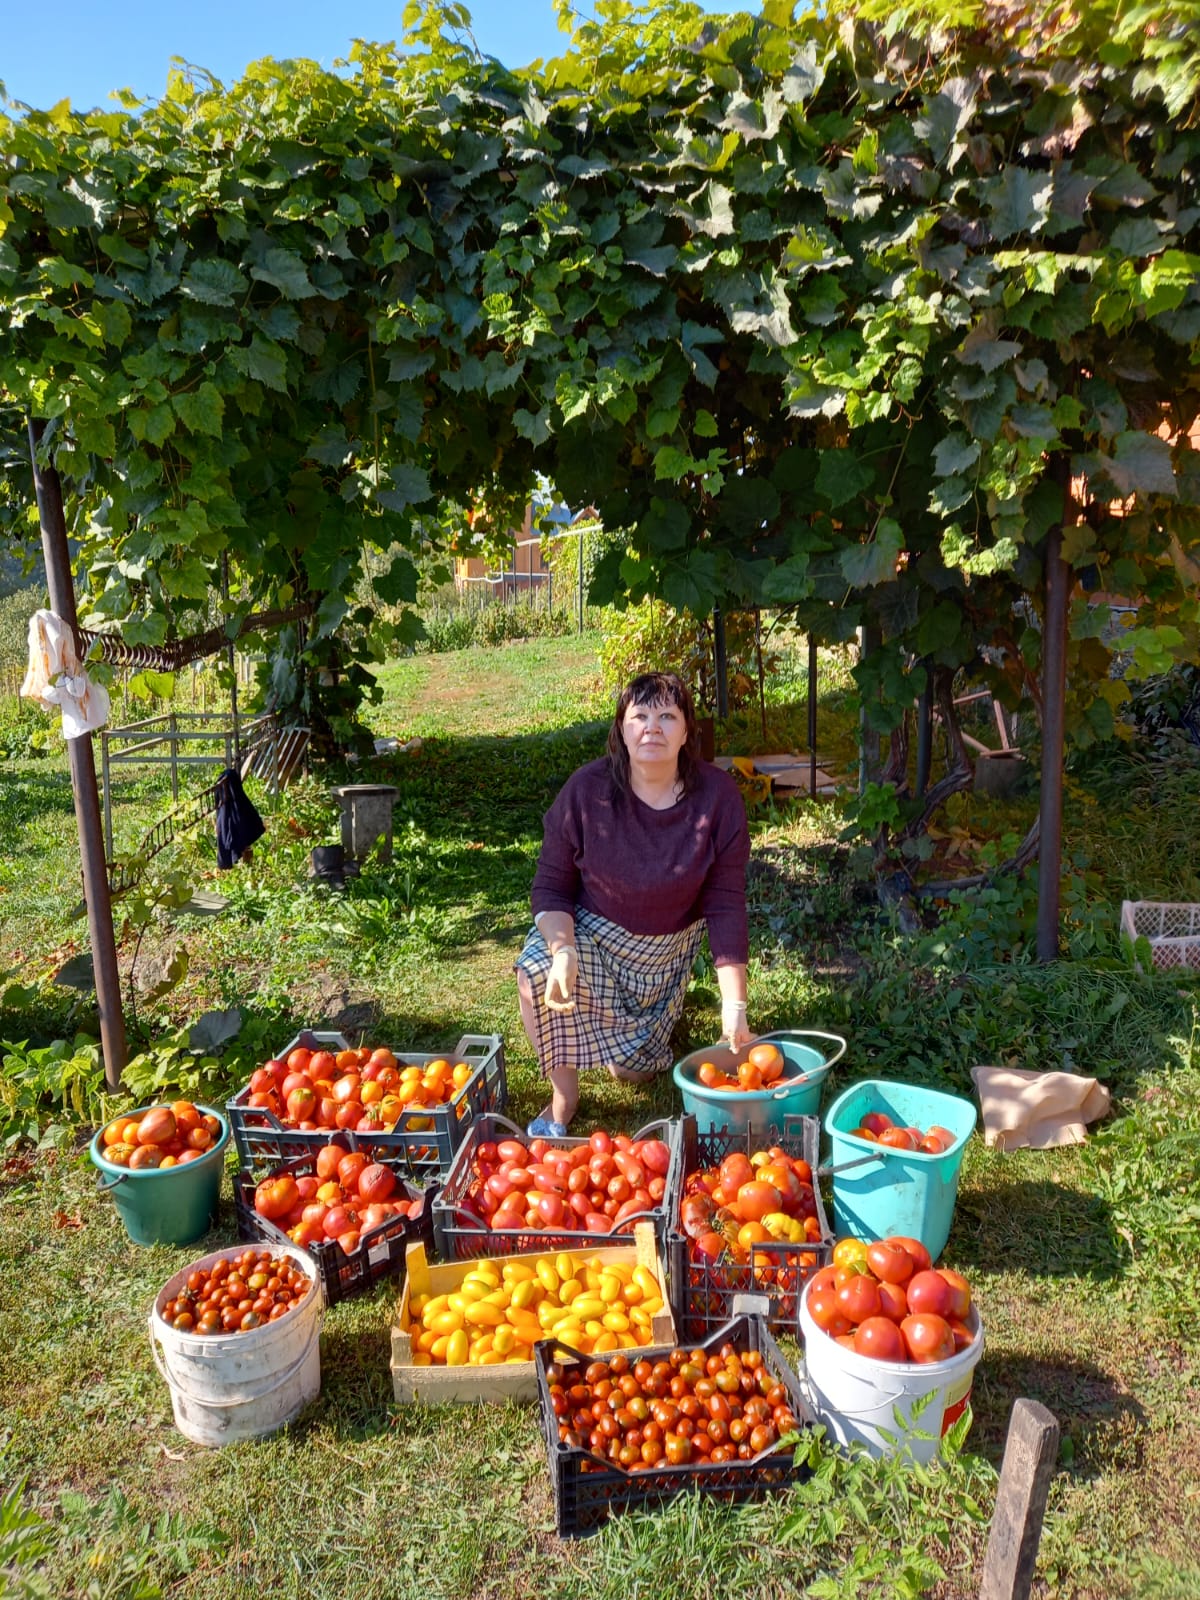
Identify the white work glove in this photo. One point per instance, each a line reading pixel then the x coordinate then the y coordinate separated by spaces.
pixel 734 1028
pixel 560 985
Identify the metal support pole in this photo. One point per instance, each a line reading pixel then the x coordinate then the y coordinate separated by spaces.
pixel 812 716
pixel 106 789
pixel 868 740
pixel 720 663
pixel 233 677
pixel 924 735
pixel 1054 692
pixel 82 760
pixel 580 628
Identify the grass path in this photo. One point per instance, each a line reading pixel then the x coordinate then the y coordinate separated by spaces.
pixel 1083 1258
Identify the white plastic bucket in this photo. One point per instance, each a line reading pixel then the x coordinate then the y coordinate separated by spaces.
pixel 859 1399
pixel 230 1386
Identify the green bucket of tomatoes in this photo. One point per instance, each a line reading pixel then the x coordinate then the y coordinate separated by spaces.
pixel 162 1165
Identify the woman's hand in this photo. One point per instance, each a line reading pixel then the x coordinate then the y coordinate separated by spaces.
pixel 734 1027
pixel 560 984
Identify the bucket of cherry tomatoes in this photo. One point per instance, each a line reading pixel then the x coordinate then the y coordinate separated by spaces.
pixel 162 1165
pixel 753 1089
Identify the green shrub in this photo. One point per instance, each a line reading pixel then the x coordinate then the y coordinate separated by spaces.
pixel 654 637
pixel 15 612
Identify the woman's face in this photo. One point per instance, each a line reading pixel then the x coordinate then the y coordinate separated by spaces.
pixel 654 735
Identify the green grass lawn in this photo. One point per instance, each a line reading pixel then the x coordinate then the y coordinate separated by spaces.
pixel 1084 1259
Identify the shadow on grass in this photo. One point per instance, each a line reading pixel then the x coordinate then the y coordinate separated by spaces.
pixel 1103 1428
pixel 1040 1227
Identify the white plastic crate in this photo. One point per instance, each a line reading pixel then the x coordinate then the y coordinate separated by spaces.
pixel 1171 927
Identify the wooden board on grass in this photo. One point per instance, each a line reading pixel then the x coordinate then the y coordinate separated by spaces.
pixel 510 1380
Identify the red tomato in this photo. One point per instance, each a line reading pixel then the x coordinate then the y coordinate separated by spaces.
pixel 892 1301
pixel 376 1183
pixel 551 1209
pixel 298 1059
pixel 339 1220
pixel 921 1257
pixel 350 1168
pixel 145 1156
pixel 275 1197
pixel 735 1171
pixel 513 1150
pixel 929 1292
pixel 880 1339
pixel 756 1200
pixel 889 1261
pixel 322 1064
pixel 654 1155
pixel 963 1334
pixel 858 1298
pixel 897 1139
pixel 876 1121
pixel 927 1338
pixel 157 1126
pixel 960 1293
pixel 328 1157
pixel 301 1104
pixel 823 1308
pixel 823 1280
pixel 630 1168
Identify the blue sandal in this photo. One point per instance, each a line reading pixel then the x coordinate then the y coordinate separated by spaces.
pixel 546 1128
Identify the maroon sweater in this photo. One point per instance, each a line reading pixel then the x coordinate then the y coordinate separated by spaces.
pixel 649 871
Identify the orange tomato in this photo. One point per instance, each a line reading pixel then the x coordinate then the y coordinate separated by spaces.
pixel 749 1076
pixel 755 1200
pixel 768 1058
pixel 751 1233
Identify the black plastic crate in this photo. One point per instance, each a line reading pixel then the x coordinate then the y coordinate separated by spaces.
pixel 426 1138
pixel 460 1236
pixel 588 1489
pixel 702 1290
pixel 378 1254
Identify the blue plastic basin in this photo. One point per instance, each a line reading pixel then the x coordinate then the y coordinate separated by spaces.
pixel 898 1191
pixel 809 1055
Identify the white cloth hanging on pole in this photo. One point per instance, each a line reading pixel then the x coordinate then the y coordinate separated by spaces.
pixel 57 680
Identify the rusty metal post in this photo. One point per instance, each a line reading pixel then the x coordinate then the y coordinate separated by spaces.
pixel 81 757
pixel 812 716
pixel 1054 692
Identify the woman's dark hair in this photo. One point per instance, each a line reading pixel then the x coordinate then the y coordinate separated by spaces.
pixel 656 689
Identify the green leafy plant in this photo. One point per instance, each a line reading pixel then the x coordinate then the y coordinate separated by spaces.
pixel 45 1090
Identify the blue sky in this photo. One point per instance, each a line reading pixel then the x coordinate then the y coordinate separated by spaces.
pixel 82 50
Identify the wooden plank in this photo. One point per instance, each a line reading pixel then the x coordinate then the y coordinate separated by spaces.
pixel 1030 1454
pixel 515 1380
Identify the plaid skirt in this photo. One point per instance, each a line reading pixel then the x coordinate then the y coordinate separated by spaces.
pixel 628 996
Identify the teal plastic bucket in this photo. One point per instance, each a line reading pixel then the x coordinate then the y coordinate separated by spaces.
pixel 171 1206
pixel 809 1055
pixel 896 1191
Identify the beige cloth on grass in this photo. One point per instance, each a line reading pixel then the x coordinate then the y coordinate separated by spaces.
pixel 1037 1110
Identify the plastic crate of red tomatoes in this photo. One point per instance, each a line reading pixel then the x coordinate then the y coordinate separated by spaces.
pixel 770 1243
pixel 426 1136
pixel 370 1244
pixel 467 1223
pixel 601 1460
